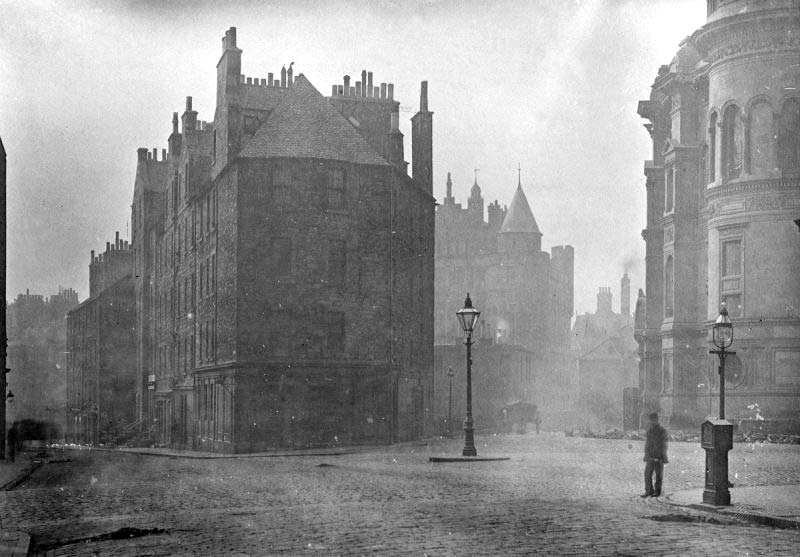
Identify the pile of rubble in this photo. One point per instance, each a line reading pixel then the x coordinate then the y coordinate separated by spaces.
pixel 684 436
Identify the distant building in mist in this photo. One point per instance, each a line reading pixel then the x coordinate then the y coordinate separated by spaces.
pixel 283 268
pixel 525 296
pixel 723 190
pixel 101 352
pixel 606 352
pixel 37 331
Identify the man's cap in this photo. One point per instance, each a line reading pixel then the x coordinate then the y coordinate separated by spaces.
pixel 654 416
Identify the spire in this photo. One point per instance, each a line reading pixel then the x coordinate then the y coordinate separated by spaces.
pixel 476 189
pixel 520 217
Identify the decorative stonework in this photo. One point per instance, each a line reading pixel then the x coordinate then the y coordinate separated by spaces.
pixel 669 234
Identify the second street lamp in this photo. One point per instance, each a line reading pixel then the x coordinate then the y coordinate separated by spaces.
pixel 722 336
pixel 468 318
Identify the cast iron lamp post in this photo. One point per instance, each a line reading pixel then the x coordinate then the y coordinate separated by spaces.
pixel 722 335
pixel 450 403
pixel 468 317
pixel 716 436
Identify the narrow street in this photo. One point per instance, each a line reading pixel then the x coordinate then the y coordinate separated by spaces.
pixel 556 495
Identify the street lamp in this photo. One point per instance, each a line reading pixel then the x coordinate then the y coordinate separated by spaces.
pixel 450 403
pixel 468 317
pixel 722 336
pixel 716 436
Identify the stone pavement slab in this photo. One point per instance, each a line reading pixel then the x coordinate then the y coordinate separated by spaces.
pixel 14 543
pixel 774 505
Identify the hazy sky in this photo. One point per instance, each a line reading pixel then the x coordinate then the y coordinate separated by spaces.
pixel 551 85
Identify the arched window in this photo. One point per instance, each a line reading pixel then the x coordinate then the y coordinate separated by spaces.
pixel 712 148
pixel 669 287
pixel 732 142
pixel 761 139
pixel 669 187
pixel 789 136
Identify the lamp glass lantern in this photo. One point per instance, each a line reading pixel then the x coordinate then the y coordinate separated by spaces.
pixel 722 330
pixel 468 316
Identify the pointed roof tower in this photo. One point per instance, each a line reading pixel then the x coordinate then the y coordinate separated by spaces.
pixel 520 223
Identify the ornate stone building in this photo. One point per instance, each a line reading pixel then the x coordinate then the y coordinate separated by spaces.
pixel 723 190
pixel 525 298
pixel 283 264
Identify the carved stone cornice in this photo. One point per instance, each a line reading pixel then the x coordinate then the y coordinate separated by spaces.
pixel 764 31
pixel 779 185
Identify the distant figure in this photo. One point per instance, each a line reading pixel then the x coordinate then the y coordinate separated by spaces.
pixel 13 441
pixel 655 456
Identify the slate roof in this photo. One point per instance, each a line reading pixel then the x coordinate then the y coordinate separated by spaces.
pixel 519 217
pixel 305 125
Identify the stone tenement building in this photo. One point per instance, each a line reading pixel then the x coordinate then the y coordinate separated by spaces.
pixel 606 351
pixel 723 190
pixel 283 267
pixel 101 352
pixel 525 298
pixel 37 335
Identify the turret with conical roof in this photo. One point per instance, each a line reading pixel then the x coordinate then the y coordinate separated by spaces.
pixel 519 231
pixel 475 201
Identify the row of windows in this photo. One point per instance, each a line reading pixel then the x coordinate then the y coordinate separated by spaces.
pixel 184 352
pixel 169 305
pixel 195 227
pixel 756 143
pixel 332 188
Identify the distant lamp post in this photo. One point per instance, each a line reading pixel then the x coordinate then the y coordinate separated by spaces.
pixel 722 336
pixel 468 318
pixel 450 375
pixel 716 436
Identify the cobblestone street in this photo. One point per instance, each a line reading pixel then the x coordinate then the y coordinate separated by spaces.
pixel 556 495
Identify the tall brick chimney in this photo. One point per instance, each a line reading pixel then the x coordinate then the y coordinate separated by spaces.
pixel 625 295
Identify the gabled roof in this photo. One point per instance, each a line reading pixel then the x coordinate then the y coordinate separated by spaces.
pixel 520 217
pixel 305 125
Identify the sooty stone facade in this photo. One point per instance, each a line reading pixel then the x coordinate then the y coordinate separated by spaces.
pixel 283 268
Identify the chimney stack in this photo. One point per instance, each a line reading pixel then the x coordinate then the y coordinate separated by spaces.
pixel 625 295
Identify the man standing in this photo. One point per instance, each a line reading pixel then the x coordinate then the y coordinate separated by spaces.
pixel 655 456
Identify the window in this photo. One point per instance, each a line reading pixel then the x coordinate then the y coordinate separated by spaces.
pixel 669 190
pixel 712 148
pixel 789 136
pixel 731 276
pixel 281 257
pixel 669 287
pixel 337 261
pixel 761 139
pixel 336 188
pixel 733 140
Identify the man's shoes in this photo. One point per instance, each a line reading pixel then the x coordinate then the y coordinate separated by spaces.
pixel 656 494
pixel 646 495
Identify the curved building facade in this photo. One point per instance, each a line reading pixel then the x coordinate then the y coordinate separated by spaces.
pixel 723 203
